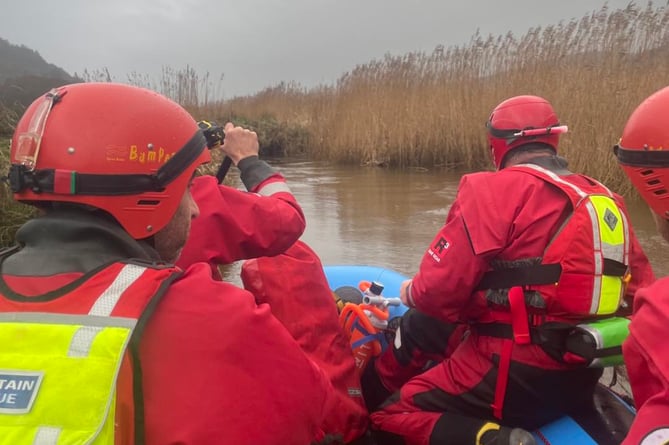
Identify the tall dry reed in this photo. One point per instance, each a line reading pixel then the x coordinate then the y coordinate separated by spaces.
pixel 429 109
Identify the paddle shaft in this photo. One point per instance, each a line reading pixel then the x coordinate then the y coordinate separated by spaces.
pixel 223 169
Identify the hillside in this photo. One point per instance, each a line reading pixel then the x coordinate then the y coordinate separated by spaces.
pixel 24 75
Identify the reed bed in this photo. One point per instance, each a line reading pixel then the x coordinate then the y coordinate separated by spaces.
pixel 429 109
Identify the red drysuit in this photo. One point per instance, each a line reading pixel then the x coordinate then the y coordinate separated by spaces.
pixel 294 286
pixel 647 361
pixel 235 225
pixel 497 218
pixel 265 225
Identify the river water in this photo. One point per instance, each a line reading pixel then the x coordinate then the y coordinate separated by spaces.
pixel 385 217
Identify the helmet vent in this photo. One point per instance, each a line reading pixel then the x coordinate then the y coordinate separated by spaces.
pixel 148 202
pixel 660 192
pixel 653 182
pixel 646 172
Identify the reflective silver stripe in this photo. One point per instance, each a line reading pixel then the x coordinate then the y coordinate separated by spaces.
pixel 272 188
pixel 47 435
pixel 107 301
pixel 614 251
pixel 397 343
pixel 626 248
pixel 49 318
pixel 597 257
pixel 556 178
pixel 410 299
pixel 82 340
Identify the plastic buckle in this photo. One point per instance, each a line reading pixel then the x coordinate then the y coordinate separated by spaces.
pixel 17 177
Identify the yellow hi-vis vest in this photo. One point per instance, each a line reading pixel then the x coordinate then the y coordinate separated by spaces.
pixel 58 370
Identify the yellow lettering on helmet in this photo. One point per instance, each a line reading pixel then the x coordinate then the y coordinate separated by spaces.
pixel 144 156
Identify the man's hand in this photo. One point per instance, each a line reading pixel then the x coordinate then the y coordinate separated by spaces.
pixel 239 143
pixel 405 289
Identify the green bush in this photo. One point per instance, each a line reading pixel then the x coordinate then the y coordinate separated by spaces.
pixel 275 138
pixel 8 119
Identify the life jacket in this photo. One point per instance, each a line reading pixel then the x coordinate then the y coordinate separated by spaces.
pixel 581 276
pixel 584 270
pixel 62 353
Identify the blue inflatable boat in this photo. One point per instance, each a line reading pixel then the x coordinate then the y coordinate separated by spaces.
pixel 606 422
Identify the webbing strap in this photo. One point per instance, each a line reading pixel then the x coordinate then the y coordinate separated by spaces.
pixel 519 319
pixel 539 274
pixel 520 276
pixel 521 335
pixel 502 378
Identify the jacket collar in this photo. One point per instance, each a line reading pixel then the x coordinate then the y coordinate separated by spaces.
pixel 554 163
pixel 72 240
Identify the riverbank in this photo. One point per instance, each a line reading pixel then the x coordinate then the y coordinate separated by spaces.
pixel 429 109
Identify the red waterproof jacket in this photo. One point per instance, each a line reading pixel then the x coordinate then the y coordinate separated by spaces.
pixel 498 216
pixel 295 287
pixel 235 225
pixel 647 361
pixel 286 274
pixel 217 368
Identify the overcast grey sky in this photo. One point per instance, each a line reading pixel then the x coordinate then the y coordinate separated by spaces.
pixel 258 43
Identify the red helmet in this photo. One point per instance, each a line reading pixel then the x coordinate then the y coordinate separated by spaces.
pixel 126 150
pixel 643 150
pixel 522 120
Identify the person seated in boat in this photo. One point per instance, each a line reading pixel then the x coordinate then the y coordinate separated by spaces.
pixel 263 227
pixel 104 340
pixel 235 225
pixel 642 154
pixel 526 253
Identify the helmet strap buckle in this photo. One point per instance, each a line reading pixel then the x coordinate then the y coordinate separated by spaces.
pixel 17 177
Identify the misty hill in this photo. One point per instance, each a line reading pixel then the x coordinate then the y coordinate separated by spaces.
pixel 24 75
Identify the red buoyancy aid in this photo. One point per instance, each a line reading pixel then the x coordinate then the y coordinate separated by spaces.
pixel 294 285
pixel 584 270
pixel 128 289
pixel 148 281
